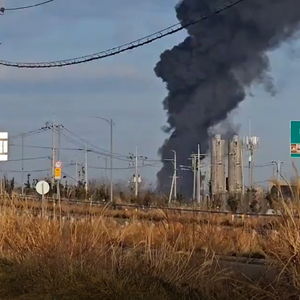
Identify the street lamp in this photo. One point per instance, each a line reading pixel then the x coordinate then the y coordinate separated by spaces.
pixel 110 123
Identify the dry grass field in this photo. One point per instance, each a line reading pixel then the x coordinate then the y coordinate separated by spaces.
pixel 161 256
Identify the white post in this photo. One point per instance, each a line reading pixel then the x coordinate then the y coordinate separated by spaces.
pixel 171 190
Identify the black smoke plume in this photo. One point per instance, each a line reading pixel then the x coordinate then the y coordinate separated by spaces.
pixel 208 73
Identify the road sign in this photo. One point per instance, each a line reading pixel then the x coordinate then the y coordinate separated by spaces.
pixel 58 164
pixel 42 187
pixel 3 146
pixel 57 173
pixel 295 139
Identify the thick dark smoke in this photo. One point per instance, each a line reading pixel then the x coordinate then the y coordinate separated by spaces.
pixel 207 75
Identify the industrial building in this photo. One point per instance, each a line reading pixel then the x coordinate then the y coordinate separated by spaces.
pixel 235 166
pixel 218 169
pixel 226 169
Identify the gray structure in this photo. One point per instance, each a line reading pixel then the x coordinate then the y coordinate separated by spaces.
pixel 218 176
pixel 235 166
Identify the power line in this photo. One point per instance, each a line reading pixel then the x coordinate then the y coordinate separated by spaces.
pixel 26 171
pixel 68 149
pixel 48 147
pixel 83 141
pixel 30 158
pixel 30 133
pixel 100 151
pixel 3 9
pixel 125 168
pixel 122 48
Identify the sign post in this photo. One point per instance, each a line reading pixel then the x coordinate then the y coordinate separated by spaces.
pixel 42 188
pixel 295 139
pixel 58 170
pixel 57 177
pixel 3 152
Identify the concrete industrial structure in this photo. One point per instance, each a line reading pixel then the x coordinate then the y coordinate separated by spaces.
pixel 235 166
pixel 218 176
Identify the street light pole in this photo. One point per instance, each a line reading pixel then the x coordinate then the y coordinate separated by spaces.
pixel 86 172
pixel 22 165
pixel 136 174
pixel 111 162
pixel 111 123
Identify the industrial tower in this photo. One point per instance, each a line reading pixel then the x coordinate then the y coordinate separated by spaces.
pixel 235 166
pixel 218 177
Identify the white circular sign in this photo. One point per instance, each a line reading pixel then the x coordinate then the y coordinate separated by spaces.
pixel 58 164
pixel 42 187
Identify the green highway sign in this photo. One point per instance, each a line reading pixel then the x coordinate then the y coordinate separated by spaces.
pixel 295 139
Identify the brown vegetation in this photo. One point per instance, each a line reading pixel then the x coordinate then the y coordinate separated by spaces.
pixel 161 256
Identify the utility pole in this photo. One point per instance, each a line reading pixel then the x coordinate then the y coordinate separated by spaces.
pixel 22 163
pixel 278 168
pixel 198 175
pixel 278 174
pixel 194 167
pixel 136 174
pixel 86 170
pixel 175 175
pixel 57 159
pixel 53 155
pixel 105 169
pixel 76 172
pixel 111 124
pixel 111 162
pixel 173 190
pixel 136 177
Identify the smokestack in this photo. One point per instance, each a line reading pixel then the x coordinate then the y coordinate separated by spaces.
pixel 235 166
pixel 218 176
pixel 208 73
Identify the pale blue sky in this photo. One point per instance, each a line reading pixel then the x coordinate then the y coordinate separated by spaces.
pixel 123 87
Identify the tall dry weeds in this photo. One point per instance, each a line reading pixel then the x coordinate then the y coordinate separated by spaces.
pixel 106 258
pixel 99 259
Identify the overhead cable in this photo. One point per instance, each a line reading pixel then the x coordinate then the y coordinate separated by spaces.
pixel 26 171
pixel 3 9
pixel 29 133
pixel 122 48
pixel 29 158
